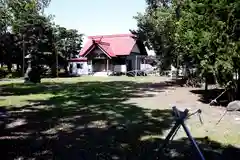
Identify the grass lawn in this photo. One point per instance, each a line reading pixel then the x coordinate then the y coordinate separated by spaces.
pixel 94 118
pixel 17 94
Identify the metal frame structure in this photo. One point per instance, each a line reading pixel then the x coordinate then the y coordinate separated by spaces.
pixel 180 117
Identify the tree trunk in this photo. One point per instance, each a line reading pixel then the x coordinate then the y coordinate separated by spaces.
pixel 177 73
pixel 18 68
pixel 206 83
pixel 54 63
pixel 215 78
pixel 238 86
pixel 238 90
pixel 9 66
pixel 66 69
pixel 54 70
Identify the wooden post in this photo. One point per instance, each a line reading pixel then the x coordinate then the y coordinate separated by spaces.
pixel 135 69
pixel 107 65
pixel 126 64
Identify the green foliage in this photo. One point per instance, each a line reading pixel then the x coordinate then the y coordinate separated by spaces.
pixel 207 31
pixel 68 41
pixel 25 30
pixel 154 4
pixel 157 27
pixel 3 72
pixel 201 33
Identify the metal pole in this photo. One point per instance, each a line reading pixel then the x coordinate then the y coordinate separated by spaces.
pixel 180 117
pixel 193 141
pixel 170 134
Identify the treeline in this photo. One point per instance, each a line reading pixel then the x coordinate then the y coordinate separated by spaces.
pixel 203 35
pixel 28 35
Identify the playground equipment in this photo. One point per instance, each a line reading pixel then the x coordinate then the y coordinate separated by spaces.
pixel 180 117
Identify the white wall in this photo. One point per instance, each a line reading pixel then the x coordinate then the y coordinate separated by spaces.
pixel 78 71
pixel 120 68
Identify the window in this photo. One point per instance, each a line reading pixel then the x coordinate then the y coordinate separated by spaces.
pixel 79 66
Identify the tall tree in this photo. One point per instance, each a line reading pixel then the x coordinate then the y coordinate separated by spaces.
pixel 202 32
pixel 30 27
pixel 67 42
pixel 25 30
pixel 207 31
pixel 156 27
pixel 154 4
pixel 4 23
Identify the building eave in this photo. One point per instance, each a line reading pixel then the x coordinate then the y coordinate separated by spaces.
pixel 92 47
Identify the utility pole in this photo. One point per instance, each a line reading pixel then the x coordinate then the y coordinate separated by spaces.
pixel 23 56
pixel 54 67
pixel 55 51
pixel 56 61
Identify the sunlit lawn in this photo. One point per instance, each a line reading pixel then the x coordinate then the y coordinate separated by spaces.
pixel 17 100
pixel 67 104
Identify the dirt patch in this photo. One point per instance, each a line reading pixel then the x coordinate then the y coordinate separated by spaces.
pixel 227 131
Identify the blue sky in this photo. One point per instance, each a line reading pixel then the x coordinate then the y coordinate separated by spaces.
pixel 96 17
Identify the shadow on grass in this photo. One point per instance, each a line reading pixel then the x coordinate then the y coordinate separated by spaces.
pixel 92 120
pixel 52 87
pixel 209 95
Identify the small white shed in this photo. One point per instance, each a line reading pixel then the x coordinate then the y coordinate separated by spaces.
pixel 79 66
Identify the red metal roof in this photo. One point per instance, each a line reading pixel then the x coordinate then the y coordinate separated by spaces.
pixel 113 45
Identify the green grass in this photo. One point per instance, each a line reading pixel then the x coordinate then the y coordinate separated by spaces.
pixel 36 91
pixel 89 115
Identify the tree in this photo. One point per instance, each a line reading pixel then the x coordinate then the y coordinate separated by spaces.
pixel 67 42
pixel 202 34
pixel 32 28
pixel 207 31
pixel 157 27
pixel 26 31
pixel 4 22
pixel 154 4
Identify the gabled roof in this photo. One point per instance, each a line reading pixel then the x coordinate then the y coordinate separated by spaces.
pixel 113 45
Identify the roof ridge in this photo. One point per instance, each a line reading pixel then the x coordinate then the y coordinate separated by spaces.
pixel 111 36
